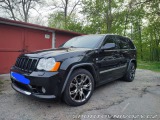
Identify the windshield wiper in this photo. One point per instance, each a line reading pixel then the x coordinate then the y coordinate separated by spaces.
pixel 68 47
pixel 73 47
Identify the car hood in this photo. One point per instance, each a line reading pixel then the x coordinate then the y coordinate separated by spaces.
pixel 57 52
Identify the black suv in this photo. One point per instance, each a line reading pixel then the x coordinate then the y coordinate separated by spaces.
pixel 74 69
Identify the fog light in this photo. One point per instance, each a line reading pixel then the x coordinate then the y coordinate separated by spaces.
pixel 43 90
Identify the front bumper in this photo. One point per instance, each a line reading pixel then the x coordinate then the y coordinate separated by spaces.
pixel 45 85
pixel 29 93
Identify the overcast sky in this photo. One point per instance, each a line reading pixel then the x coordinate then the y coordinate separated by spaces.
pixel 40 15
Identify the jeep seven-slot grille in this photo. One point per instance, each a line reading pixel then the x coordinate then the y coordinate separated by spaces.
pixel 26 64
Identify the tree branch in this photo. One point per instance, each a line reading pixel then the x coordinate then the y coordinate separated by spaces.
pixel 74 7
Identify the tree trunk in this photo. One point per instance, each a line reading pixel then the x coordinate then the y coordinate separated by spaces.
pixel 11 9
pixel 126 23
pixel 140 39
pixel 156 46
pixel 151 51
pixel 109 17
pixel 65 12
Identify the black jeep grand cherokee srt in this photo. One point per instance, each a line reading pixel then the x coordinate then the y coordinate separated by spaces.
pixel 74 69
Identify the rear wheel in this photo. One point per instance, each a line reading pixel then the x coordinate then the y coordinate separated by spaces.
pixel 79 88
pixel 130 74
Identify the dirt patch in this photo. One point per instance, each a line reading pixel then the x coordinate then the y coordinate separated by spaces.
pixel 4 84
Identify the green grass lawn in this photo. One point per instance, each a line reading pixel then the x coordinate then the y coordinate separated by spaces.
pixel 154 66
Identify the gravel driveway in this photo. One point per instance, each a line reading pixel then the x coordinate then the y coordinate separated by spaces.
pixel 107 99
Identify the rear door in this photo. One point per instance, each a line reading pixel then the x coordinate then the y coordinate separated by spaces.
pixel 127 49
pixel 124 51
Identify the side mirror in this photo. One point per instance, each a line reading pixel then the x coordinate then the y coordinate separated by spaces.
pixel 109 46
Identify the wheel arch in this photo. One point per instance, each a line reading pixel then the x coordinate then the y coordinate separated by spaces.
pixel 87 66
pixel 133 61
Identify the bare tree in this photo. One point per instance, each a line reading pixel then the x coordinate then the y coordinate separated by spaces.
pixel 18 9
pixel 67 7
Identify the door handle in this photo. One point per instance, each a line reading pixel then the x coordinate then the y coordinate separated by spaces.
pixel 125 52
pixel 116 54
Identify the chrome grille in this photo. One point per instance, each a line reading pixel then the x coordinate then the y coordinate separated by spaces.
pixel 26 64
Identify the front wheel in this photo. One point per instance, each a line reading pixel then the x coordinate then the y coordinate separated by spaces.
pixel 130 74
pixel 79 88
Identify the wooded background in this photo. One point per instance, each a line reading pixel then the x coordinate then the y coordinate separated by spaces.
pixel 137 19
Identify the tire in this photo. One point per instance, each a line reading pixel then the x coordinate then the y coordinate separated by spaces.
pixel 79 88
pixel 130 74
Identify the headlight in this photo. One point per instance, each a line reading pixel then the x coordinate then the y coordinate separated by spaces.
pixel 48 64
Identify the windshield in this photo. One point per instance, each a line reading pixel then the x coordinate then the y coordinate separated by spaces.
pixel 86 41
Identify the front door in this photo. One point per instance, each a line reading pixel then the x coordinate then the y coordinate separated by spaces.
pixel 108 61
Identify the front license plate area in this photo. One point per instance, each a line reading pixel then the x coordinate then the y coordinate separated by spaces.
pixel 20 78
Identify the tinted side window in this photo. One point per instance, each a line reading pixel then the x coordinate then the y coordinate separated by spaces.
pixel 131 45
pixel 124 43
pixel 111 39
